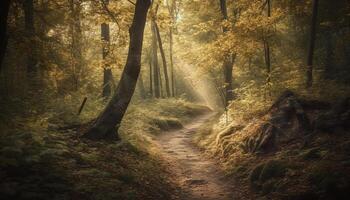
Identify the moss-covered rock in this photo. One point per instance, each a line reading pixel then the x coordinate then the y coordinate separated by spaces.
pixel 167 123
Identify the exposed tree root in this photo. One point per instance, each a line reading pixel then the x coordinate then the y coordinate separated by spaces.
pixel 288 118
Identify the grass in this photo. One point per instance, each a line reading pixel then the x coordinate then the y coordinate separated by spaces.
pixel 317 169
pixel 40 162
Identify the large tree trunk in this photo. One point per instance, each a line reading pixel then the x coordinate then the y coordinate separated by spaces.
pixel 309 70
pixel 228 61
pixel 155 63
pixel 32 59
pixel 165 67
pixel 107 124
pixel 4 10
pixel 107 71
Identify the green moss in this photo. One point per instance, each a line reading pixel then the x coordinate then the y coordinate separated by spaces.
pixel 167 123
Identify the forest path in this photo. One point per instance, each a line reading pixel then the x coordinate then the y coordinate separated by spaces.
pixel 199 177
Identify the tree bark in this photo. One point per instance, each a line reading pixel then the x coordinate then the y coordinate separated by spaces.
pixel 165 67
pixel 329 56
pixel 141 87
pixel 32 59
pixel 267 53
pixel 107 124
pixel 309 70
pixel 76 45
pixel 228 60
pixel 4 10
pixel 150 75
pixel 172 63
pixel 107 71
pixel 172 11
pixel 155 63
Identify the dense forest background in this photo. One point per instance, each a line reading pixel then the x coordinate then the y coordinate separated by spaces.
pixel 62 61
pixel 54 51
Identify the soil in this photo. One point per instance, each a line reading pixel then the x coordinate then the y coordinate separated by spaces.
pixel 199 177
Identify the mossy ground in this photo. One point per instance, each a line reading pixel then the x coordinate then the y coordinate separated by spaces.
pixel 41 161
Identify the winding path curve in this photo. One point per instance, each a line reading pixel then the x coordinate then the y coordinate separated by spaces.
pixel 199 177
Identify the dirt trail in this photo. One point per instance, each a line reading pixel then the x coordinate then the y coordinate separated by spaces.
pixel 199 177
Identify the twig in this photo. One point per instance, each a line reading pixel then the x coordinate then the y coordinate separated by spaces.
pixel 131 2
pixel 82 105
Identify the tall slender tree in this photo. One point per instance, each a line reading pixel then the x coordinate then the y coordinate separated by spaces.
pixel 172 11
pixel 32 60
pixel 141 87
pixel 150 74
pixel 171 44
pixel 107 124
pixel 107 71
pixel 76 44
pixel 162 53
pixel 155 62
pixel 309 70
pixel 228 60
pixel 267 54
pixel 4 10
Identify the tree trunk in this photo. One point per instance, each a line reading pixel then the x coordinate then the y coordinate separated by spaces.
pixel 172 63
pixel 155 63
pixel 329 57
pixel 107 71
pixel 107 124
pixel 76 34
pixel 165 67
pixel 150 75
pixel 141 87
pixel 228 61
pixel 172 11
pixel 32 60
pixel 309 70
pixel 4 10
pixel 160 83
pixel 268 54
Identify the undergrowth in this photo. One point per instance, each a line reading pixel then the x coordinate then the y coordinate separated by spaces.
pixel 41 159
pixel 316 169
